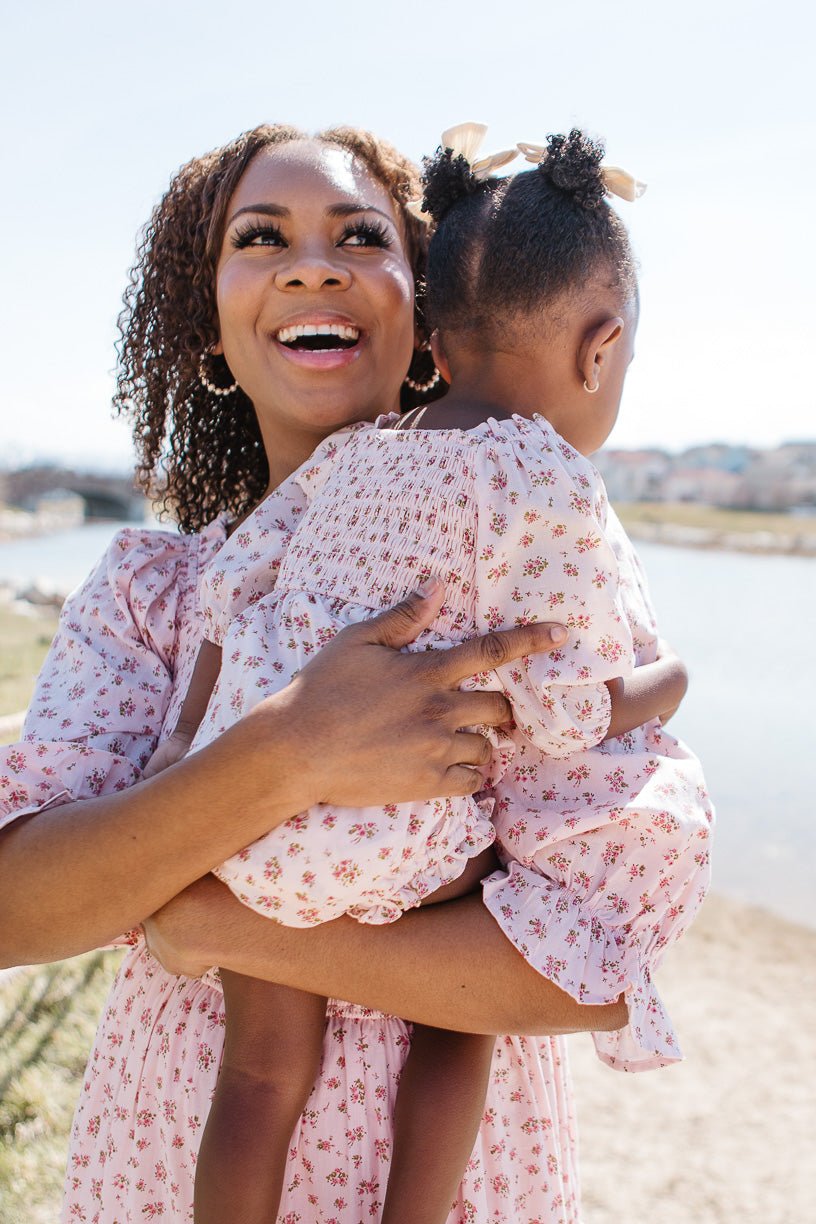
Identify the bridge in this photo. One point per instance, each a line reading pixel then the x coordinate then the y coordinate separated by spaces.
pixel 105 497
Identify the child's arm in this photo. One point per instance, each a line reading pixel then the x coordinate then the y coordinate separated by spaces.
pixel 208 665
pixel 654 690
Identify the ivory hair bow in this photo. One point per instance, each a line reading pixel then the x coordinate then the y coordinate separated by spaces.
pixel 465 140
pixel 617 182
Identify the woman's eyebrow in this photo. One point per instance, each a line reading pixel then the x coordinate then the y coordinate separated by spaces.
pixel 268 210
pixel 335 210
pixel 348 210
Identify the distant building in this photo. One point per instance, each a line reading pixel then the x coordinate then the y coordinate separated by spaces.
pixel 717 474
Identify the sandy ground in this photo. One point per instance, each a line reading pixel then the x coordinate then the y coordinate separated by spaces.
pixel 729 1135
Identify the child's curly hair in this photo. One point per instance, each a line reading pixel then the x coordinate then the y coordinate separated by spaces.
pixel 507 247
pixel 201 453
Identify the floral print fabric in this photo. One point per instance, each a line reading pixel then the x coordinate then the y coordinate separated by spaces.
pixel 606 841
pixel 114 682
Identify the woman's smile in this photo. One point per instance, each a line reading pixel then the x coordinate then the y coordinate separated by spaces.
pixel 320 342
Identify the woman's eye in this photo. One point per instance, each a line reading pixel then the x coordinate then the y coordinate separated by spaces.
pixel 255 235
pixel 366 234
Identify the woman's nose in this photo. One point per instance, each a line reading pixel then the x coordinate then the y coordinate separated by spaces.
pixel 312 270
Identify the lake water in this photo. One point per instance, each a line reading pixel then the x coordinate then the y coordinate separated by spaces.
pixel 745 625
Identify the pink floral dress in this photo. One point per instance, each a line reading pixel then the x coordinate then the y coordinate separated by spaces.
pixel 609 840
pixel 113 684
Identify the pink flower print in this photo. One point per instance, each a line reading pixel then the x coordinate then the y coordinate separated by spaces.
pixel 346 871
pixel 531 516
pixel 666 821
pixel 611 853
pixel 363 831
pixel 526 540
pixel 558 530
pixel 578 774
pixel 587 543
pixel 616 780
pixel 498 523
pixel 534 567
pixel 581 505
pixel 493 618
pixel 516 595
pixel 499 571
pixel 610 648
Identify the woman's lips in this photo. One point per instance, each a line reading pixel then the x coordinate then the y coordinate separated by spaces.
pixel 320 359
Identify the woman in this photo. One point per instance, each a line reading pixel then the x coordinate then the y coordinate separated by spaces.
pixel 121 665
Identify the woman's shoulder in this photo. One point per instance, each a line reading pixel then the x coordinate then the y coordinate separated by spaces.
pixel 142 589
pixel 158 559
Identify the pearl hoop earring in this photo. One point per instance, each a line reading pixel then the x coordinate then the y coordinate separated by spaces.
pixel 423 386
pixel 211 386
pixel 591 390
pixel 425 347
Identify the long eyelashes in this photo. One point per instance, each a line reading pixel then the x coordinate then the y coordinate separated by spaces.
pixel 257 233
pixel 249 232
pixel 374 233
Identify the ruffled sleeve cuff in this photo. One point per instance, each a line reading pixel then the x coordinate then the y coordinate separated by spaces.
pixel 584 954
pixel 38 775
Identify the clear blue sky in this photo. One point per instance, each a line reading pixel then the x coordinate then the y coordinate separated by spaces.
pixel 711 103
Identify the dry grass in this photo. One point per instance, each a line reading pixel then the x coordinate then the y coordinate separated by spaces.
pixel 24 641
pixel 48 1016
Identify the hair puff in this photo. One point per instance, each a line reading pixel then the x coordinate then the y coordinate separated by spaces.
pixel 573 165
pixel 446 178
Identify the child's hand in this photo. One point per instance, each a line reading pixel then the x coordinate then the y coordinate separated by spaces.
pixel 172 750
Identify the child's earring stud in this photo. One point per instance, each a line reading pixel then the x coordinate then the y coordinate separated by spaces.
pixel 591 390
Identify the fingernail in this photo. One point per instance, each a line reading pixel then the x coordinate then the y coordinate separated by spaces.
pixel 558 634
pixel 427 588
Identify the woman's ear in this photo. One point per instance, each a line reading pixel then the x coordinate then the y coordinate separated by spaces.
pixel 217 348
pixel 596 349
pixel 438 354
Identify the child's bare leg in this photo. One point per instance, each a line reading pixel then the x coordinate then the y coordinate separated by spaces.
pixel 271 1057
pixel 439 1107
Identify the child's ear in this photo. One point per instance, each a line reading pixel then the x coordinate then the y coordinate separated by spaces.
pixel 596 349
pixel 438 354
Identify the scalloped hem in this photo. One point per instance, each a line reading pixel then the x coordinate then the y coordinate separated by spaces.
pixel 568 943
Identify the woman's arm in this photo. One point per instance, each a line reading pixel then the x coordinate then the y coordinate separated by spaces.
pixel 362 724
pixel 447 965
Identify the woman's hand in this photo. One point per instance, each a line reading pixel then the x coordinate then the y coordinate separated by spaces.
pixel 372 724
pixel 174 934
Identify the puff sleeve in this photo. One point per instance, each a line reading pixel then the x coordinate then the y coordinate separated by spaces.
pixel 542 554
pixel 102 694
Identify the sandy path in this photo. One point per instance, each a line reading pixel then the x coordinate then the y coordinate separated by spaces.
pixel 730 1134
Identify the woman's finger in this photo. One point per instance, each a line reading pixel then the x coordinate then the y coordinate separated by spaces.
pixel 492 650
pixel 477 707
pixel 405 621
pixel 462 780
pixel 470 748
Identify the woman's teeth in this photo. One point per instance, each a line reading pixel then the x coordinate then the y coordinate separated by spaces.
pixel 318 335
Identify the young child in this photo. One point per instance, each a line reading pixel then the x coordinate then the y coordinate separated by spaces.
pixel 532 290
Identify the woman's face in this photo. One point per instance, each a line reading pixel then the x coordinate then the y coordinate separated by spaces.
pixel 315 297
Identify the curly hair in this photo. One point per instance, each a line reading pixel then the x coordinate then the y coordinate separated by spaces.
pixel 507 247
pixel 198 453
